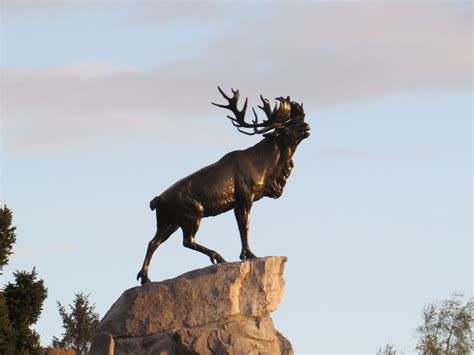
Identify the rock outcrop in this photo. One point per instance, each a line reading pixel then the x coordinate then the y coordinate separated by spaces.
pixel 220 309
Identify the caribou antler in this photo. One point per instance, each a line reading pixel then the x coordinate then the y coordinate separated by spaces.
pixel 279 114
pixel 275 118
pixel 232 105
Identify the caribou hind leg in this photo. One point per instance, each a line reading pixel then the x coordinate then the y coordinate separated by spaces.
pixel 189 232
pixel 162 234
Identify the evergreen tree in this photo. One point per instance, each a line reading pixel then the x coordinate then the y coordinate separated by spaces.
pixel 7 236
pixel 24 300
pixel 7 332
pixel 79 325
pixel 447 327
pixel 21 302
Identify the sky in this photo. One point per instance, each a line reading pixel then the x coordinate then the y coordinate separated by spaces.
pixel 105 104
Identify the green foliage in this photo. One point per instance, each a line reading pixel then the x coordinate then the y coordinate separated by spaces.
pixel 388 350
pixel 24 302
pixel 7 236
pixel 7 333
pixel 447 327
pixel 21 302
pixel 25 298
pixel 79 325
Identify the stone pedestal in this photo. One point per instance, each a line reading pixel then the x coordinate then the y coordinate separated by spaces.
pixel 221 309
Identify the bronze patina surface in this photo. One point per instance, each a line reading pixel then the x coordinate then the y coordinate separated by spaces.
pixel 234 182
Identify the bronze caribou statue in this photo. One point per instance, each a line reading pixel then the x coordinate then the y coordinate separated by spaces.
pixel 235 182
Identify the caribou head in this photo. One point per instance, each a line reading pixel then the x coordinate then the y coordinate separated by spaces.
pixel 286 118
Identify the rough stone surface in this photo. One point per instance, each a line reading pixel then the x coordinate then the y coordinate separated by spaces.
pixel 220 309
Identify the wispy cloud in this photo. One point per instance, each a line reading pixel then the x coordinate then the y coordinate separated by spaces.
pixel 52 249
pixel 323 54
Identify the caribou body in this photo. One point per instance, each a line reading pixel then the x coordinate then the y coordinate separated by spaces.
pixel 237 180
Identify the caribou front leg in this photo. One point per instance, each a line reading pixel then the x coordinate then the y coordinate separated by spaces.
pixel 242 215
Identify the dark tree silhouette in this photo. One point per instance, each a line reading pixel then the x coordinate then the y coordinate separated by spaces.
pixel 7 236
pixel 79 325
pixel 24 300
pixel 21 301
pixel 7 333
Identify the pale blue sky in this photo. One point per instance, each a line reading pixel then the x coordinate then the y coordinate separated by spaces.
pixel 105 104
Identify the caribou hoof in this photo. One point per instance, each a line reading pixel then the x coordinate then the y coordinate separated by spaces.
pixel 144 278
pixel 216 258
pixel 247 254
